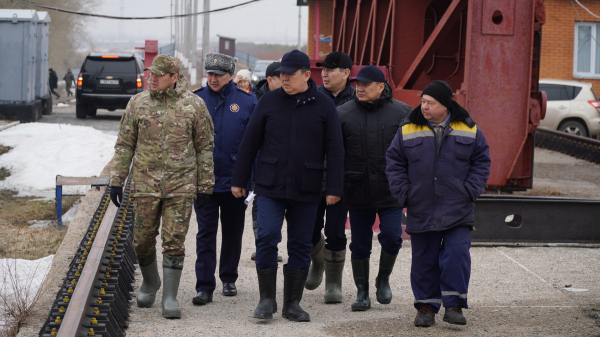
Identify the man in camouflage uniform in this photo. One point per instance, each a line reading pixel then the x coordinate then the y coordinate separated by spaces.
pixel 168 133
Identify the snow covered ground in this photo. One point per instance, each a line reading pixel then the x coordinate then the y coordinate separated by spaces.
pixel 40 153
pixel 43 151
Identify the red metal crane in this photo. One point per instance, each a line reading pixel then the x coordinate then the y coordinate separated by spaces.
pixel 487 50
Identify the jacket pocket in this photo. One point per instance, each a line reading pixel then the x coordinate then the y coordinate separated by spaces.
pixel 414 149
pixel 312 178
pixel 267 172
pixel 355 190
pixel 464 148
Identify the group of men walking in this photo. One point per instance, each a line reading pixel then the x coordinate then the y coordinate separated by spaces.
pixel 312 155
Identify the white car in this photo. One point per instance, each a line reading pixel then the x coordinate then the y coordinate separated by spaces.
pixel 572 107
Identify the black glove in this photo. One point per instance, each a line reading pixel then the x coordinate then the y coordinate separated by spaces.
pixel 202 199
pixel 116 195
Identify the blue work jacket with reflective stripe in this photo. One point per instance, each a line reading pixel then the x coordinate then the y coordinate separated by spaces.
pixel 230 111
pixel 438 186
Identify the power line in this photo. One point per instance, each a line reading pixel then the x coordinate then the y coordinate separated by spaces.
pixel 136 18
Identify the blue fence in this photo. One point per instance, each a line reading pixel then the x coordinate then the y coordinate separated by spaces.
pixel 250 60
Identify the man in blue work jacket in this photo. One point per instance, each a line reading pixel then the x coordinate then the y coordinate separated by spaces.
pixel 230 109
pixel 294 127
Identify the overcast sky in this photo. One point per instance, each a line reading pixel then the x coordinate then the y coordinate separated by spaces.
pixel 265 21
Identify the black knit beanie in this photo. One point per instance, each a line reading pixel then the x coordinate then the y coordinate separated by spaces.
pixel 439 90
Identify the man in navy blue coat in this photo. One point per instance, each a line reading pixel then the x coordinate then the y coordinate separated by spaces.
pixel 294 127
pixel 230 109
pixel 437 166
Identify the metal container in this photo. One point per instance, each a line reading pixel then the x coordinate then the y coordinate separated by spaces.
pixel 41 59
pixel 18 44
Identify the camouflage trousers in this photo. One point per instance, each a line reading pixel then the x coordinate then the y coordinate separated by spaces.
pixel 175 214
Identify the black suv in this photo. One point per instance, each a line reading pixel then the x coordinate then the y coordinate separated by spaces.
pixel 108 81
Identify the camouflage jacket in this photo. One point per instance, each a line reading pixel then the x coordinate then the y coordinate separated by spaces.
pixel 170 138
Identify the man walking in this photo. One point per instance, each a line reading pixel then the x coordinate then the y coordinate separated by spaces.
pixel 53 82
pixel 294 127
pixel 167 132
pixel 369 124
pixel 437 165
pixel 272 82
pixel 69 78
pixel 328 253
pixel 230 108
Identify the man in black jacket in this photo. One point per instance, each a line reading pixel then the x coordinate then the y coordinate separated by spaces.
pixel 294 127
pixel 270 83
pixel 369 124
pixel 328 253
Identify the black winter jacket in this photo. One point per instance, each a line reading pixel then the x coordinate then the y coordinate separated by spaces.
pixel 368 130
pixel 344 96
pixel 294 135
pixel 262 87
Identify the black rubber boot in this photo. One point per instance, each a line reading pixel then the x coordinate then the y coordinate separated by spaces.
pixel 267 286
pixel 315 272
pixel 293 287
pixel 150 282
pixel 334 267
pixel 172 267
pixel 382 282
pixel 360 271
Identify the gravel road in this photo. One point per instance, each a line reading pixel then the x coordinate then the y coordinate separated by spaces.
pixel 515 290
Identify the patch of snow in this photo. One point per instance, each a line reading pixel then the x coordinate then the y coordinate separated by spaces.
pixel 20 280
pixel 40 223
pixel 43 151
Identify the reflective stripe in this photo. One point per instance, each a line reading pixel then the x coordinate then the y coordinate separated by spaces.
pixel 462 133
pixel 425 133
pixel 430 300
pixel 454 293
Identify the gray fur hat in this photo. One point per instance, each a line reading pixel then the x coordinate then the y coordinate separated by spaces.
pixel 219 64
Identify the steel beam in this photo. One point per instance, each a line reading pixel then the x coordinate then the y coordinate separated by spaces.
pixel 544 219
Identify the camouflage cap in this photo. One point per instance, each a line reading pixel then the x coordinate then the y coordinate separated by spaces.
pixel 219 64
pixel 164 64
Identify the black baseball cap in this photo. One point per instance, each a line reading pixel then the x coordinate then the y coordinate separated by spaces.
pixel 369 74
pixel 292 61
pixel 271 69
pixel 337 59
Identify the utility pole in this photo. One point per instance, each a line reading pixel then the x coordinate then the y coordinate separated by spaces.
pixel 193 55
pixel 171 25
pixel 205 35
pixel 299 25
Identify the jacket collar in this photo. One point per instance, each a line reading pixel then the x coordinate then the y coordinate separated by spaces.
pixel 342 95
pixel 227 88
pixel 386 95
pixel 310 95
pixel 457 113
pixel 180 87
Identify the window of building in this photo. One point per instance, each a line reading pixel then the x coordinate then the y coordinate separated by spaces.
pixel 586 57
pixel 226 45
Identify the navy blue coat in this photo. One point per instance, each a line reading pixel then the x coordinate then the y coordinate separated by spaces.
pixel 293 136
pixel 438 187
pixel 230 111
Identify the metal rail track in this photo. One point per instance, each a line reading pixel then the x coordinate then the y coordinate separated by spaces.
pixel 580 147
pixel 95 295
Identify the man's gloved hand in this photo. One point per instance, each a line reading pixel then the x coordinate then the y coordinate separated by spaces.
pixel 116 195
pixel 202 199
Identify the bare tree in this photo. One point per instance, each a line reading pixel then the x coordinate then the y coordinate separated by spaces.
pixel 67 31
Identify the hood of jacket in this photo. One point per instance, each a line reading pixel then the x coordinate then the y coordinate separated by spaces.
pixel 386 95
pixel 181 86
pixel 457 113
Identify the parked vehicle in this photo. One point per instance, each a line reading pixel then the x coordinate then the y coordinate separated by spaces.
pixel 572 107
pixel 258 73
pixel 108 81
